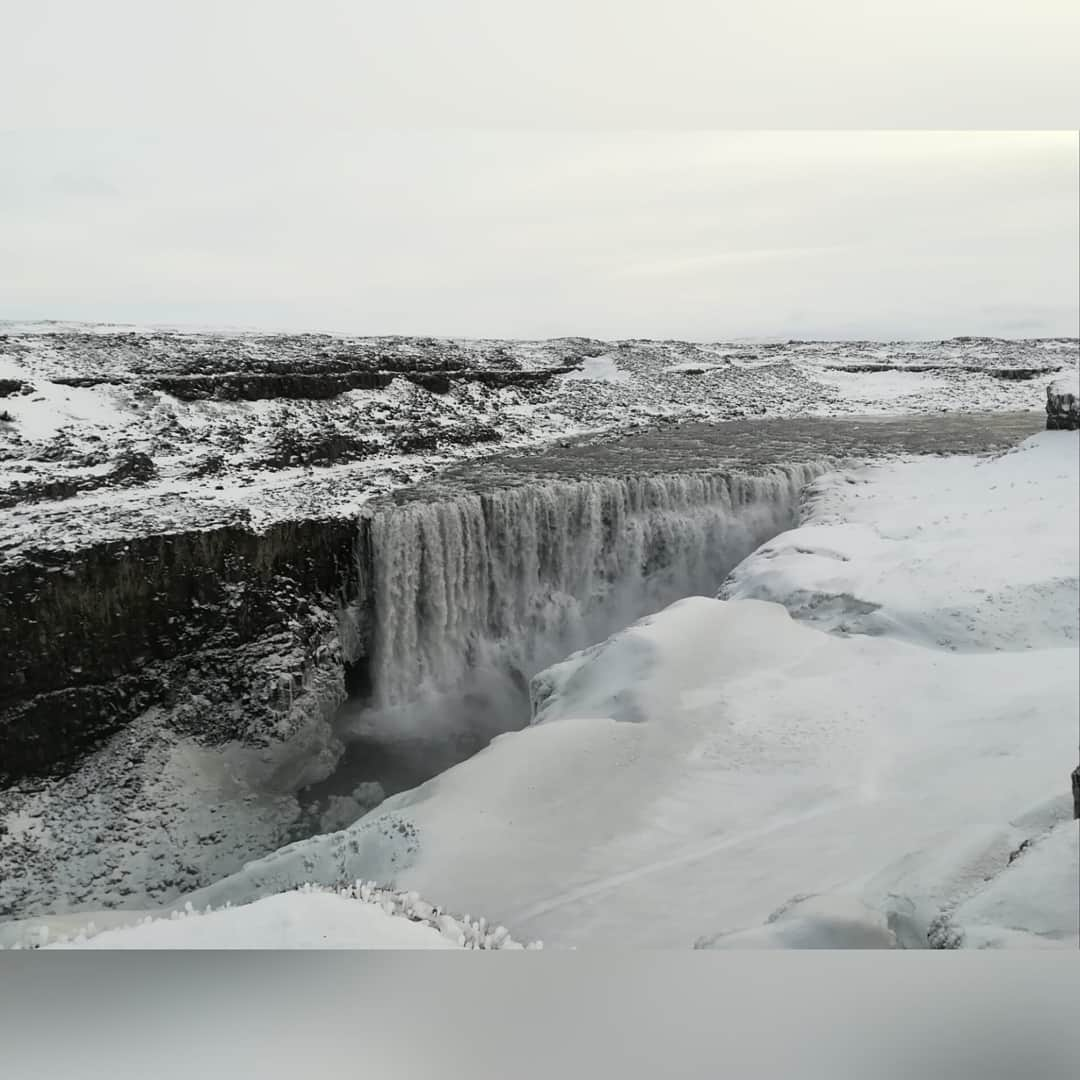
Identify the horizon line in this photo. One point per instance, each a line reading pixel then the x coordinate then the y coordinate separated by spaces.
pixel 745 339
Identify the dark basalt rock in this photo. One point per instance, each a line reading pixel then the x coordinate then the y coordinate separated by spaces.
pixel 1062 408
pixel 130 470
pixel 84 381
pixel 264 385
pixel 503 379
pixel 1017 374
pixel 257 386
pixel 433 382
pixel 1076 791
pixel 416 443
pixel 289 448
pixel 211 465
pixel 479 433
pixel 1013 374
pixel 27 491
pixel 90 639
pixel 133 468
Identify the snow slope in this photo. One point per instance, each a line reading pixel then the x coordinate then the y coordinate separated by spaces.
pixel 706 773
pixel 292 920
pixel 1030 904
pixel 960 553
pixel 360 916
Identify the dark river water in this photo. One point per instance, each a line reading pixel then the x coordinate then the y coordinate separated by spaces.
pixel 740 444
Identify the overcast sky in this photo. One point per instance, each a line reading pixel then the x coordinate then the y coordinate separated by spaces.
pixel 140 183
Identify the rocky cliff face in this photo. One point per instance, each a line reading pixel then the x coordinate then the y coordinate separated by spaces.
pixel 222 627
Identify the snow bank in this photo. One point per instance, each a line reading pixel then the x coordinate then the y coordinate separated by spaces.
pixel 960 553
pixel 698 770
pixel 1032 902
pixel 880 390
pixel 975 887
pixel 971 892
pixel 599 369
pixel 814 923
pixel 50 407
pixel 359 917
pixel 293 920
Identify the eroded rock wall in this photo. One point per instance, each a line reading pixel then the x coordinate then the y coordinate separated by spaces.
pixel 223 627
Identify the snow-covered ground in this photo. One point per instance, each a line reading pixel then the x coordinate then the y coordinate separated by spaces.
pixel 360 916
pixel 75 396
pixel 865 743
pixel 292 920
pixel 881 389
pixel 599 369
pixel 964 553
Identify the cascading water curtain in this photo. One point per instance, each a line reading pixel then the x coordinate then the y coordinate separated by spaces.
pixel 518 578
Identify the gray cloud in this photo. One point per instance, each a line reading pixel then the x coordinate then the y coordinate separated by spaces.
pixel 565 63
pixel 483 233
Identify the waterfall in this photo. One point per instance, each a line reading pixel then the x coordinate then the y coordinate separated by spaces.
pixel 475 594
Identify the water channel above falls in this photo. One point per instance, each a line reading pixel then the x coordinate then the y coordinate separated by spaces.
pixel 500 568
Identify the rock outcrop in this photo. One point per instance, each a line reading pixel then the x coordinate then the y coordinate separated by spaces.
pixel 224 628
pixel 1063 404
pixel 268 385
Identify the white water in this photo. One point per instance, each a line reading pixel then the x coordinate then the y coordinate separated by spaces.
pixel 474 595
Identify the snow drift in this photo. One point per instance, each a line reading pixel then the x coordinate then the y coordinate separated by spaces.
pixel 961 553
pixel 360 916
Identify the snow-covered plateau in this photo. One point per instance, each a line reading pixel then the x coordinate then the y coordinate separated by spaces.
pixel 778 644
pixel 152 430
